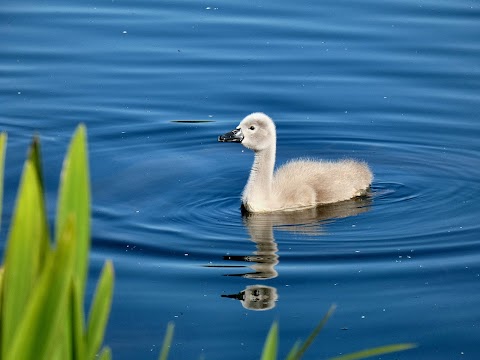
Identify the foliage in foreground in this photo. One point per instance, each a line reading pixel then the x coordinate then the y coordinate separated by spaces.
pixel 42 286
pixel 270 347
pixel 297 351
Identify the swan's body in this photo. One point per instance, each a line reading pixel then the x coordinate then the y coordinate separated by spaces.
pixel 299 184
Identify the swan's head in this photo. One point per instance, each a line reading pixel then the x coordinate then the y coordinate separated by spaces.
pixel 255 132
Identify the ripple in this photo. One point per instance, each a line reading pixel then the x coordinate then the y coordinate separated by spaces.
pixel 393 192
pixel 422 202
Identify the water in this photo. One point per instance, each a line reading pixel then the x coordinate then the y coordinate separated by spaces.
pixel 393 83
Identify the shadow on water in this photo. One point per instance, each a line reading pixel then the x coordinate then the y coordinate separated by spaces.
pixel 264 259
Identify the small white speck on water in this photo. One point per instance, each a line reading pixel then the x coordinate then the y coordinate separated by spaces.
pixel 185 254
pixel 19 93
pixel 363 316
pixel 124 32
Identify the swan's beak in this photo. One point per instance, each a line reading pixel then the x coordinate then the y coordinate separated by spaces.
pixel 232 136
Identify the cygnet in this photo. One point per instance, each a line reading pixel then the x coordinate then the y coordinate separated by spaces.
pixel 299 184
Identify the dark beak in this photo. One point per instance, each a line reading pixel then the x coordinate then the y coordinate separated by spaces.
pixel 232 136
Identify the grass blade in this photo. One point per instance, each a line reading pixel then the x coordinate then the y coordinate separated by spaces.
pixel 313 335
pixel 293 354
pixel 106 354
pixel 34 155
pixel 35 159
pixel 167 342
pixel 22 260
pixel 381 350
pixel 1 296
pixel 74 198
pixel 46 313
pixel 100 310
pixel 271 344
pixel 3 143
pixel 79 343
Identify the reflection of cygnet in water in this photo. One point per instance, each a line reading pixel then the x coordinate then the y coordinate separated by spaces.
pixel 309 222
pixel 260 228
pixel 256 297
pixel 264 258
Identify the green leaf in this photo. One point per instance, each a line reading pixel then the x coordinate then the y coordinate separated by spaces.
pixel 167 341
pixel 3 143
pixel 34 155
pixel 22 254
pixel 43 321
pixel 303 347
pixel 79 342
pixel 1 297
pixel 36 160
pixel 106 354
pixel 100 310
pixel 74 199
pixel 271 344
pixel 381 350
pixel 293 354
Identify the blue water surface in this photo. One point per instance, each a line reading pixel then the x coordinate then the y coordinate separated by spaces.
pixel 394 83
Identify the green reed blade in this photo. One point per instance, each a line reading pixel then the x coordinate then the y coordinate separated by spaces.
pixel 381 350
pixel 46 313
pixel 1 301
pixel 100 310
pixel 22 260
pixel 314 333
pixel 3 145
pixel 79 342
pixel 35 157
pixel 74 199
pixel 106 354
pixel 293 354
pixel 167 342
pixel 271 344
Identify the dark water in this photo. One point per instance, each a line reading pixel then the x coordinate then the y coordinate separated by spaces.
pixel 395 83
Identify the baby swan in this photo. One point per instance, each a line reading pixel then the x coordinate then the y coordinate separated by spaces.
pixel 299 184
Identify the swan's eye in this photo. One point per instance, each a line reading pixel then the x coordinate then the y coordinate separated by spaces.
pixel 252 127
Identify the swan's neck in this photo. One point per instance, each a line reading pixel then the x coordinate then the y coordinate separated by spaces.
pixel 258 191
